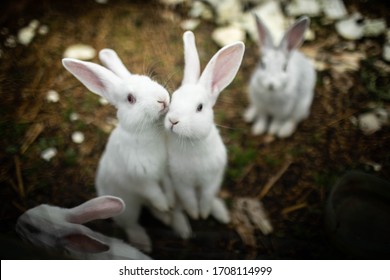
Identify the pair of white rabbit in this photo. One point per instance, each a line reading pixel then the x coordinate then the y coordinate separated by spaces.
pixel 281 89
pixel 168 169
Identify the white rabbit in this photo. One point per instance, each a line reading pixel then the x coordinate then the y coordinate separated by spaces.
pixel 134 163
pixel 197 155
pixel 282 87
pixel 61 229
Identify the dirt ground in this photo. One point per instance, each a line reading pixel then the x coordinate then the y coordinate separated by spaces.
pixel 148 38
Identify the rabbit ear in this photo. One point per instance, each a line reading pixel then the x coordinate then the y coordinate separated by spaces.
pixel 293 38
pixel 265 37
pixel 111 60
pixel 96 78
pixel 191 59
pixel 83 243
pixel 101 207
pixel 222 69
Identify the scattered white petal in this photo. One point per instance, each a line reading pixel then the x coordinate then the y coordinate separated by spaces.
pixel 227 35
pixel 376 166
pixel 303 7
pixel 190 24
pixel 52 96
pixel 227 11
pixel 27 34
pixel 78 137
pixel 48 153
pixel 351 28
pixel 200 10
pixel 80 51
pixel 74 117
pixel 374 27
pixel 373 121
pixel 334 9
pixel 43 30
pixel 103 101
pixel 10 42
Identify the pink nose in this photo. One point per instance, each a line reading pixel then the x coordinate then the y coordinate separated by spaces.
pixel 173 122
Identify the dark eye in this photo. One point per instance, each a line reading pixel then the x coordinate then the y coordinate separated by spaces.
pixel 262 64
pixel 131 99
pixel 199 108
pixel 285 67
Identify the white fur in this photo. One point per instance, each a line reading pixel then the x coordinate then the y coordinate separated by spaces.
pixel 197 154
pixel 134 163
pixel 282 87
pixel 55 228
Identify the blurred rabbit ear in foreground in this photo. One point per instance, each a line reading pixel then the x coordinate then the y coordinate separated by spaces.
pixel 60 230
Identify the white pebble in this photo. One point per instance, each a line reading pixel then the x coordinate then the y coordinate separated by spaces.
pixel 78 137
pixel 74 117
pixel 10 42
pixel 80 51
pixel 189 24
pixel 43 30
pixel 27 34
pixel 227 35
pixel 48 153
pixel 351 28
pixel 52 96
pixel 103 101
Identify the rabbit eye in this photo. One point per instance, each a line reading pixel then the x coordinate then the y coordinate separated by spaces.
pixel 199 108
pixel 262 64
pixel 131 98
pixel 285 67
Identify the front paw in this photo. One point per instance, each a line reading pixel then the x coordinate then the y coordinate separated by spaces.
pixel 161 204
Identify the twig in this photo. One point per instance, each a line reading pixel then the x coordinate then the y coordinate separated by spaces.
pixel 19 177
pixel 293 208
pixel 31 135
pixel 271 182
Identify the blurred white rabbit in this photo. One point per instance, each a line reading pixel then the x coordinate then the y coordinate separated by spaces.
pixel 197 154
pixel 60 229
pixel 134 163
pixel 281 89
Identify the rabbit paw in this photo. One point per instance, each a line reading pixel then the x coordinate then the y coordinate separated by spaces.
pixel 219 211
pixel 250 114
pixel 181 225
pixel 259 127
pixel 287 129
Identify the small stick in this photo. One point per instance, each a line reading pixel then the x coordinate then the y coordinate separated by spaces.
pixel 293 208
pixel 19 177
pixel 271 182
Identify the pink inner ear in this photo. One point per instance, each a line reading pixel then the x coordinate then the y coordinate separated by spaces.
pixel 223 68
pixel 295 36
pixel 84 244
pixel 86 75
pixel 98 208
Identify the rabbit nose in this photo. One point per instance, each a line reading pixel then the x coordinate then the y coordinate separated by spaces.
pixel 173 121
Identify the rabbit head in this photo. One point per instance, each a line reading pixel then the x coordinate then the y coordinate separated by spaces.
pixel 272 72
pixel 138 99
pixel 190 114
pixel 58 228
